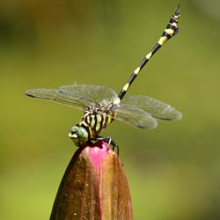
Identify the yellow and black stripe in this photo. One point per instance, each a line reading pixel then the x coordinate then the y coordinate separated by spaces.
pixel 170 30
pixel 94 121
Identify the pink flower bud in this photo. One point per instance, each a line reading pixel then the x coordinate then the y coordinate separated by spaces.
pixel 94 187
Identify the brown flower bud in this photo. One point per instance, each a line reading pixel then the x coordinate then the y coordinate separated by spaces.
pixel 94 187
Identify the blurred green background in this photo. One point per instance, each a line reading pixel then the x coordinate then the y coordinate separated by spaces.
pixel 174 170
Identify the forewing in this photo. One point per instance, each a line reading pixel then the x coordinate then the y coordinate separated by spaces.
pixel 77 96
pixel 58 96
pixel 92 93
pixel 155 108
pixel 136 117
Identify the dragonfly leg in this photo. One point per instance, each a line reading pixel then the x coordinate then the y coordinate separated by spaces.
pixel 109 141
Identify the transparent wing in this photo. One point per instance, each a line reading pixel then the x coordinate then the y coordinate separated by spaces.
pixel 77 96
pixel 136 117
pixel 155 108
pixel 93 93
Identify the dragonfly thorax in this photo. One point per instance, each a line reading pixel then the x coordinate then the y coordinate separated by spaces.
pixel 93 121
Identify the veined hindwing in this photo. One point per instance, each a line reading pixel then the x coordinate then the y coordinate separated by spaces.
pixel 143 111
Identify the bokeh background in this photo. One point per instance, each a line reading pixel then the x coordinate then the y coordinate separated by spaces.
pixel 174 170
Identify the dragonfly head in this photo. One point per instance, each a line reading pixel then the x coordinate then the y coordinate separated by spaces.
pixel 79 135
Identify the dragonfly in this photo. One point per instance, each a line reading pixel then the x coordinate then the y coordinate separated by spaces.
pixel 102 105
